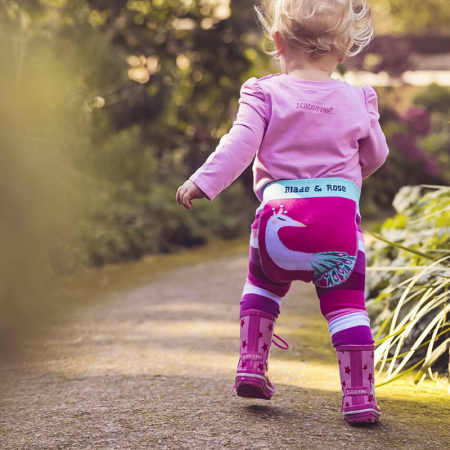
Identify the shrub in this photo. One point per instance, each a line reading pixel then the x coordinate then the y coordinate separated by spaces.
pixel 408 284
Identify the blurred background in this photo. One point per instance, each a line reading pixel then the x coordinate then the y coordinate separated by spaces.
pixel 107 106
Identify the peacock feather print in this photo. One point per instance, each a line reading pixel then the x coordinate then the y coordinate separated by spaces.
pixel 330 268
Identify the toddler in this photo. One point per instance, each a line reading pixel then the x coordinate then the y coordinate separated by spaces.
pixel 314 140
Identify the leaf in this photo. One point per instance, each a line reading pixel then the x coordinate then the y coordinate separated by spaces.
pixel 391 335
pixel 408 249
pixel 432 359
pixel 400 375
pixel 420 346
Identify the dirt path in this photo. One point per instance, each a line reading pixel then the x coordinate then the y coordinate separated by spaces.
pixel 151 368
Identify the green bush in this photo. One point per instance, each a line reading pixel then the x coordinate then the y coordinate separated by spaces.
pixel 436 100
pixel 408 298
pixel 119 142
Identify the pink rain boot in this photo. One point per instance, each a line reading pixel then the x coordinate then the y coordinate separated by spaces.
pixel 356 368
pixel 252 379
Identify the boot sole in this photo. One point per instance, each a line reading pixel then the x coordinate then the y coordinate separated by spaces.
pixel 253 387
pixel 364 416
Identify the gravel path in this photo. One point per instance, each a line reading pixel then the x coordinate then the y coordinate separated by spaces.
pixel 151 368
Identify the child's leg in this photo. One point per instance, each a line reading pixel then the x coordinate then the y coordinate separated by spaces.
pixel 259 309
pixel 260 292
pixel 344 308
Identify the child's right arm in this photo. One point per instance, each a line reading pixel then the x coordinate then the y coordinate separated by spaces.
pixel 236 149
pixel 373 150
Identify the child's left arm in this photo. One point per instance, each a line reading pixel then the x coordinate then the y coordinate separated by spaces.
pixel 373 150
pixel 235 151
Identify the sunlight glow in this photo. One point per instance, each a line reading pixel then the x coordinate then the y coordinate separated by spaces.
pixel 184 24
pixel 139 74
pixel 414 78
pixel 207 23
pixel 133 61
pixel 183 62
pixel 152 64
pixel 220 8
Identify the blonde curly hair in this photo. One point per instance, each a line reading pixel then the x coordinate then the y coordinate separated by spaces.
pixel 318 27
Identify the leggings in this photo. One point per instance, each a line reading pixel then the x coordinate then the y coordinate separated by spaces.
pixel 309 230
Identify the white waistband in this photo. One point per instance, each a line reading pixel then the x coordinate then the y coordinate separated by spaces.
pixel 310 188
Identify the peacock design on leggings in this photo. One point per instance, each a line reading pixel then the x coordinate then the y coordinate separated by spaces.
pixel 330 268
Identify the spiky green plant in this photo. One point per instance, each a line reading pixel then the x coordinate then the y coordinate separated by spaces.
pixel 408 285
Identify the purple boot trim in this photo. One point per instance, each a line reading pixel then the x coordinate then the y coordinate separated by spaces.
pixel 356 370
pixel 359 335
pixel 260 303
pixel 252 379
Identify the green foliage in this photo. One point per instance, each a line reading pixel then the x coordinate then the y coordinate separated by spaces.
pixel 411 16
pixel 152 86
pixel 419 144
pixel 434 98
pixel 399 221
pixel 43 137
pixel 186 63
pixel 408 297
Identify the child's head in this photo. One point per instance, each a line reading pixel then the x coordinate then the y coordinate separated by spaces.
pixel 316 28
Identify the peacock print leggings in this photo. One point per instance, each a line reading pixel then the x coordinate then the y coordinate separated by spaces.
pixel 309 230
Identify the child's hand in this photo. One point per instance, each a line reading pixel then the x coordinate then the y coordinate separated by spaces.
pixel 188 192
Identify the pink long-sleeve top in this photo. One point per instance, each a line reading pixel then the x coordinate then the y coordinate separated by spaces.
pixel 298 129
